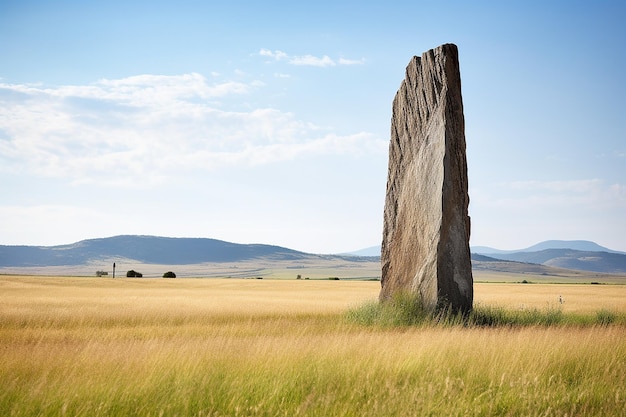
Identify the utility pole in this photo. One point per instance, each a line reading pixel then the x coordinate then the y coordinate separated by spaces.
pixel 113 269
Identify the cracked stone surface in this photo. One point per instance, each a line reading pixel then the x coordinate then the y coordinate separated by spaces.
pixel 425 246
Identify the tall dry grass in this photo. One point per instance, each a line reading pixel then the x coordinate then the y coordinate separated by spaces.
pixel 189 348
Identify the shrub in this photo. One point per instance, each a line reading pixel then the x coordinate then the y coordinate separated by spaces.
pixel 403 309
pixel 169 274
pixel 605 317
pixel 134 274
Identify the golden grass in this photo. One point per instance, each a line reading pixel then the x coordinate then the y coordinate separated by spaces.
pixel 87 346
pixel 181 296
pixel 576 298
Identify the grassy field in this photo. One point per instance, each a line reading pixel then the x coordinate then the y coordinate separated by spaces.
pixel 234 347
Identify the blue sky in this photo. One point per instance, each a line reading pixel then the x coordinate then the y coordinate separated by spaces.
pixel 268 122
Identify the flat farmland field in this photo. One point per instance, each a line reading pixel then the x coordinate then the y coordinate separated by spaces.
pixel 229 347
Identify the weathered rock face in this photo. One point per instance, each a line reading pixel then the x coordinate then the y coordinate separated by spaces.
pixel 425 246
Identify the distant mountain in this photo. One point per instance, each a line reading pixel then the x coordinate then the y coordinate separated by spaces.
pixel 483 258
pixel 188 251
pixel 144 249
pixel 486 250
pixel 571 259
pixel 486 263
pixel 580 255
pixel 580 245
pixel 371 251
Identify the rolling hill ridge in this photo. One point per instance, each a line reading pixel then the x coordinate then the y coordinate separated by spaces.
pixel 144 249
pixel 188 251
pixel 582 255
pixel 606 262
pixel 579 245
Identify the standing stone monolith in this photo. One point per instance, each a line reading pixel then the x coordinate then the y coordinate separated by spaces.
pixel 425 248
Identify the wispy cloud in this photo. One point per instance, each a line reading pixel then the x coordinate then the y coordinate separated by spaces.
pixel 312 61
pixel 277 55
pixel 618 193
pixel 344 61
pixel 119 131
pixel 309 60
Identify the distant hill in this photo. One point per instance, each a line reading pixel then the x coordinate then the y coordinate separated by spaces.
pixel 144 249
pixel 483 258
pixel 189 251
pixel 580 255
pixel 371 251
pixel 606 262
pixel 580 245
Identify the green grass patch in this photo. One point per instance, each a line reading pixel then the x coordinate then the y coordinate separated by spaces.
pixel 405 310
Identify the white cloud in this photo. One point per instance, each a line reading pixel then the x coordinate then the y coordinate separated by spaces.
pixel 313 61
pixel 618 193
pixel 117 132
pixel 309 60
pixel 277 55
pixel 136 90
pixel 344 61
